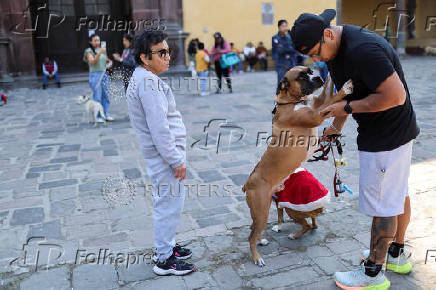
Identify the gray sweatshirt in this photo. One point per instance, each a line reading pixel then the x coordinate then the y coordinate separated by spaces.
pixel 153 114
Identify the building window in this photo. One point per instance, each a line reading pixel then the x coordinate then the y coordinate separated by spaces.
pixel 97 7
pixel 267 14
pixel 66 7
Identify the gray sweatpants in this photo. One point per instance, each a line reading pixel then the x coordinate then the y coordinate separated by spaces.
pixel 168 200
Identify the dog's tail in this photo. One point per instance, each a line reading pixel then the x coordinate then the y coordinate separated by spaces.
pixel 100 110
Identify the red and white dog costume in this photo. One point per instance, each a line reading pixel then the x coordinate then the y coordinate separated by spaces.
pixel 302 192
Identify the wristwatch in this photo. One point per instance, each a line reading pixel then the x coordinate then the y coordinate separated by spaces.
pixel 347 108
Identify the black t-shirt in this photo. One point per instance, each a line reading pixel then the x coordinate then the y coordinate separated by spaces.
pixel 368 59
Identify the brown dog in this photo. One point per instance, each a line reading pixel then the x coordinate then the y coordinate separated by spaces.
pixel 298 126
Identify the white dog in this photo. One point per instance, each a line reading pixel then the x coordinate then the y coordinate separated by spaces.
pixel 92 109
pixel 430 50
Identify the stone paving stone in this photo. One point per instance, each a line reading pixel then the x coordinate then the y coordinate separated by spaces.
pixel 52 167
pixel 57 183
pixel 23 202
pixel 325 284
pixel 227 278
pixel 319 251
pixel 49 230
pixel 86 231
pixel 330 265
pixel 171 282
pixel 287 278
pixel 56 175
pixel 32 175
pixel 343 246
pixel 92 276
pixel 92 185
pixel 216 244
pixel 234 163
pixel 25 216
pixel 110 153
pixel 210 212
pixel 57 278
pixel 200 280
pixel 137 271
pixel 64 159
pixel 105 240
pixel 132 173
pixel 62 208
pixel 273 263
pixel 107 142
pixel 62 193
pixel 132 223
pixel 239 179
pixel 210 175
pixel 218 219
pixel 69 148
pixel 212 201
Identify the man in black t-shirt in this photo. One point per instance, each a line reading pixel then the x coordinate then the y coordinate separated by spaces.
pixel 380 103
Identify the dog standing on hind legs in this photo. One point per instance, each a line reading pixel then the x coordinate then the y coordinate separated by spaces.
pixel 280 157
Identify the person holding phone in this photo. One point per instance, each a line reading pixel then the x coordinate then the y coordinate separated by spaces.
pixel 96 57
pixel 127 59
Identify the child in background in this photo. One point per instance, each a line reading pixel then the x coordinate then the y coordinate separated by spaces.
pixel 202 61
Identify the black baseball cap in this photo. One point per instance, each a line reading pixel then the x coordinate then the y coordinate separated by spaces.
pixel 308 29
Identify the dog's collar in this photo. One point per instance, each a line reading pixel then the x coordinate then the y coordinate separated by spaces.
pixel 295 103
pixel 287 103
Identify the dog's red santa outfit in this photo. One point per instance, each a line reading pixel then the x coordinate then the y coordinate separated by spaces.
pixel 302 192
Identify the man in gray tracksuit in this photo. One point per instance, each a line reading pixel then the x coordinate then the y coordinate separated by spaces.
pixel 162 135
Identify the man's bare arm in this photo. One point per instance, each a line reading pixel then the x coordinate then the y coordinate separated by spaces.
pixel 390 93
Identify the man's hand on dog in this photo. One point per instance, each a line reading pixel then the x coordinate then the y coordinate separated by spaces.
pixel 180 172
pixel 334 110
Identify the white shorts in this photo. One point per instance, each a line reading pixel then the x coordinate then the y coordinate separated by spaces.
pixel 383 181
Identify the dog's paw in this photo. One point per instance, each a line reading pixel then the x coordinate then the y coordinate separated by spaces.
pixel 276 228
pixel 263 242
pixel 260 262
pixel 291 237
pixel 348 87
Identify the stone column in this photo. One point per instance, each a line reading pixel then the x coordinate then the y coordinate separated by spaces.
pixel 170 11
pixel 400 21
pixel 338 12
pixel 4 68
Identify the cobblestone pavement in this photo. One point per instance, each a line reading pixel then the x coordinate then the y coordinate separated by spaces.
pixel 53 166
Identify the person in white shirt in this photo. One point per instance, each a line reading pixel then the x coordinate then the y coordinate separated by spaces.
pixel 250 55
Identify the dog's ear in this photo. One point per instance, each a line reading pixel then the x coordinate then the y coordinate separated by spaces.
pixel 283 85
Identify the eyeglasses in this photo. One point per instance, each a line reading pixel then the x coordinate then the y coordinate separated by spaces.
pixel 318 54
pixel 163 52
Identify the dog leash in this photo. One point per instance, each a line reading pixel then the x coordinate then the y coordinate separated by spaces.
pixel 325 147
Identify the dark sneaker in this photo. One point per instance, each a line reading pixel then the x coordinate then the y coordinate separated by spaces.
pixel 181 253
pixel 173 266
pixel 178 252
